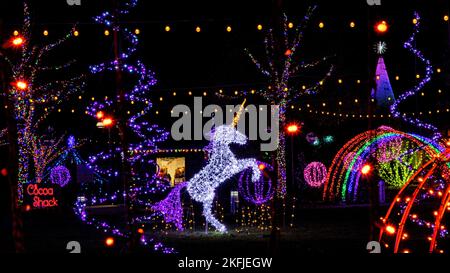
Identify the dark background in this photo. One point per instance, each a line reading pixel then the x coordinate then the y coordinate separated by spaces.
pixel 214 59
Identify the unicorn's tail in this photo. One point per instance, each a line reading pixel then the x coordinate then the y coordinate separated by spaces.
pixel 171 208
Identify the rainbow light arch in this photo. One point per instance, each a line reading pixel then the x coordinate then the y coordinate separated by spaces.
pixel 342 181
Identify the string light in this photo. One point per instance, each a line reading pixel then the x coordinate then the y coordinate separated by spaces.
pixel 37 96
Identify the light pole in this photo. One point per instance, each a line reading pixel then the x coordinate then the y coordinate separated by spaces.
pixel 292 129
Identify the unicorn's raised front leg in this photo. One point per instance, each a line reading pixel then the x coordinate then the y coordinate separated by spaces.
pixel 250 163
pixel 207 212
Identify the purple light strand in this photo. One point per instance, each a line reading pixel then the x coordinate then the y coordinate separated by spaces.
pixel 413 91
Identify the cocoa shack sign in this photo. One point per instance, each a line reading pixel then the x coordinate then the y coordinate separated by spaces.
pixel 41 196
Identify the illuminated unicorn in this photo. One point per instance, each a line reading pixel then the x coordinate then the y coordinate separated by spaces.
pixel 222 165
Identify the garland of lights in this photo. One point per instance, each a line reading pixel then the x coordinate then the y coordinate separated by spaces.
pixel 413 91
pixel 259 192
pixel 222 165
pixel 315 174
pixel 32 98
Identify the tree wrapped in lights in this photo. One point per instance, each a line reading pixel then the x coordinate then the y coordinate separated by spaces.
pixel 281 68
pixel 32 95
pixel 44 153
pixel 134 153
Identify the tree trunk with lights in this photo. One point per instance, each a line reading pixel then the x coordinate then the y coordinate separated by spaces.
pixel 280 153
pixel 12 167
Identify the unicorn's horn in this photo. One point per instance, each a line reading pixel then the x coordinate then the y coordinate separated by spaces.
pixel 238 114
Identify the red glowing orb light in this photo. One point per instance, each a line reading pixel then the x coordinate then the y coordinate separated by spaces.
pixel 107 122
pixel 21 85
pixel 109 242
pixel 390 229
pixel 366 169
pixel 293 128
pixel 100 114
pixel 4 172
pixel 381 27
pixel 17 41
pixel 261 166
